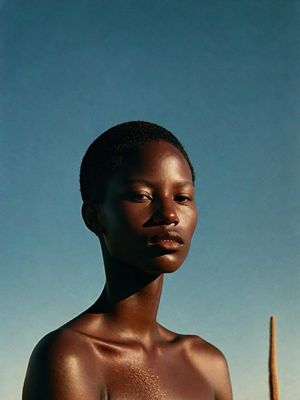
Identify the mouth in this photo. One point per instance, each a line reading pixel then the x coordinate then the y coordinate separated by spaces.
pixel 167 240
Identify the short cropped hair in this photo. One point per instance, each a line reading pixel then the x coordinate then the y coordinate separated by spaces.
pixel 106 154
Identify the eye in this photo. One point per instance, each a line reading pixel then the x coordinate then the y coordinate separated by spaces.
pixel 182 198
pixel 140 197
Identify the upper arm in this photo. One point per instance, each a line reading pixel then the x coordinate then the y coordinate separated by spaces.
pixel 221 379
pixel 57 371
pixel 213 366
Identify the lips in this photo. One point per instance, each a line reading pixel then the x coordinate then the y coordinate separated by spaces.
pixel 168 240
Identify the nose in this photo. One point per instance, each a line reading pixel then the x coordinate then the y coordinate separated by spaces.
pixel 165 213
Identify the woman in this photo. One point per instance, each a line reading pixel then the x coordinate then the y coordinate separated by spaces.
pixel 137 185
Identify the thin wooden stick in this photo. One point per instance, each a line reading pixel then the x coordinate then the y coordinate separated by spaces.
pixel 273 373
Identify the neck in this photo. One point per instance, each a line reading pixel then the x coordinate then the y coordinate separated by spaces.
pixel 129 300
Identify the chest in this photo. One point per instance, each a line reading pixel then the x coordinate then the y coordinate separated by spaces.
pixel 160 379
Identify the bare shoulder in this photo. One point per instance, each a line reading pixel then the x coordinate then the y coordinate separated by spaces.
pixel 60 366
pixel 201 348
pixel 211 363
pixel 62 345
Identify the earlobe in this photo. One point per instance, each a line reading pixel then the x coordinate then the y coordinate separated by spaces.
pixel 91 215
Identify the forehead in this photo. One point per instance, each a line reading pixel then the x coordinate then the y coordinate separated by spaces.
pixel 155 158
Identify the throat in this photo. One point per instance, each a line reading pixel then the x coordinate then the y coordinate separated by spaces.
pixel 132 315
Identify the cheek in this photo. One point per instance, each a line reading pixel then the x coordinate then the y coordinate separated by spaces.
pixel 132 217
pixel 189 221
pixel 123 226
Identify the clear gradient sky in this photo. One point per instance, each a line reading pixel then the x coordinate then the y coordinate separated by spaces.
pixel 224 77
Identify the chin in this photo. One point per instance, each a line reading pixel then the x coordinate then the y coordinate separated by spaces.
pixel 165 264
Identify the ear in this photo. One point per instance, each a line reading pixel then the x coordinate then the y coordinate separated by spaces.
pixel 91 214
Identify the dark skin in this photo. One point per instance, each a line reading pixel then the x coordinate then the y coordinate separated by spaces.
pixel 116 349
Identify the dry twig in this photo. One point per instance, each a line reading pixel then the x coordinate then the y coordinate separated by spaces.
pixel 273 373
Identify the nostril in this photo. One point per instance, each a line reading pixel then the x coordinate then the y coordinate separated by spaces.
pixel 164 212
pixel 167 218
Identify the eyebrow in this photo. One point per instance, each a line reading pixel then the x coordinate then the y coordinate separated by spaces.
pixel 150 184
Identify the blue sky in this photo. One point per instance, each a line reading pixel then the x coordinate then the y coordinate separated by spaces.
pixel 224 77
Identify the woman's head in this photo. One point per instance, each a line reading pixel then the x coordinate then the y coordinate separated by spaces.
pixel 140 203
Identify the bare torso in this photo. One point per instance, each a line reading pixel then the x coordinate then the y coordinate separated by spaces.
pixel 95 366
pixel 167 370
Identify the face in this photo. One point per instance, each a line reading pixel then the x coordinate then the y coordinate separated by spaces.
pixel 149 213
